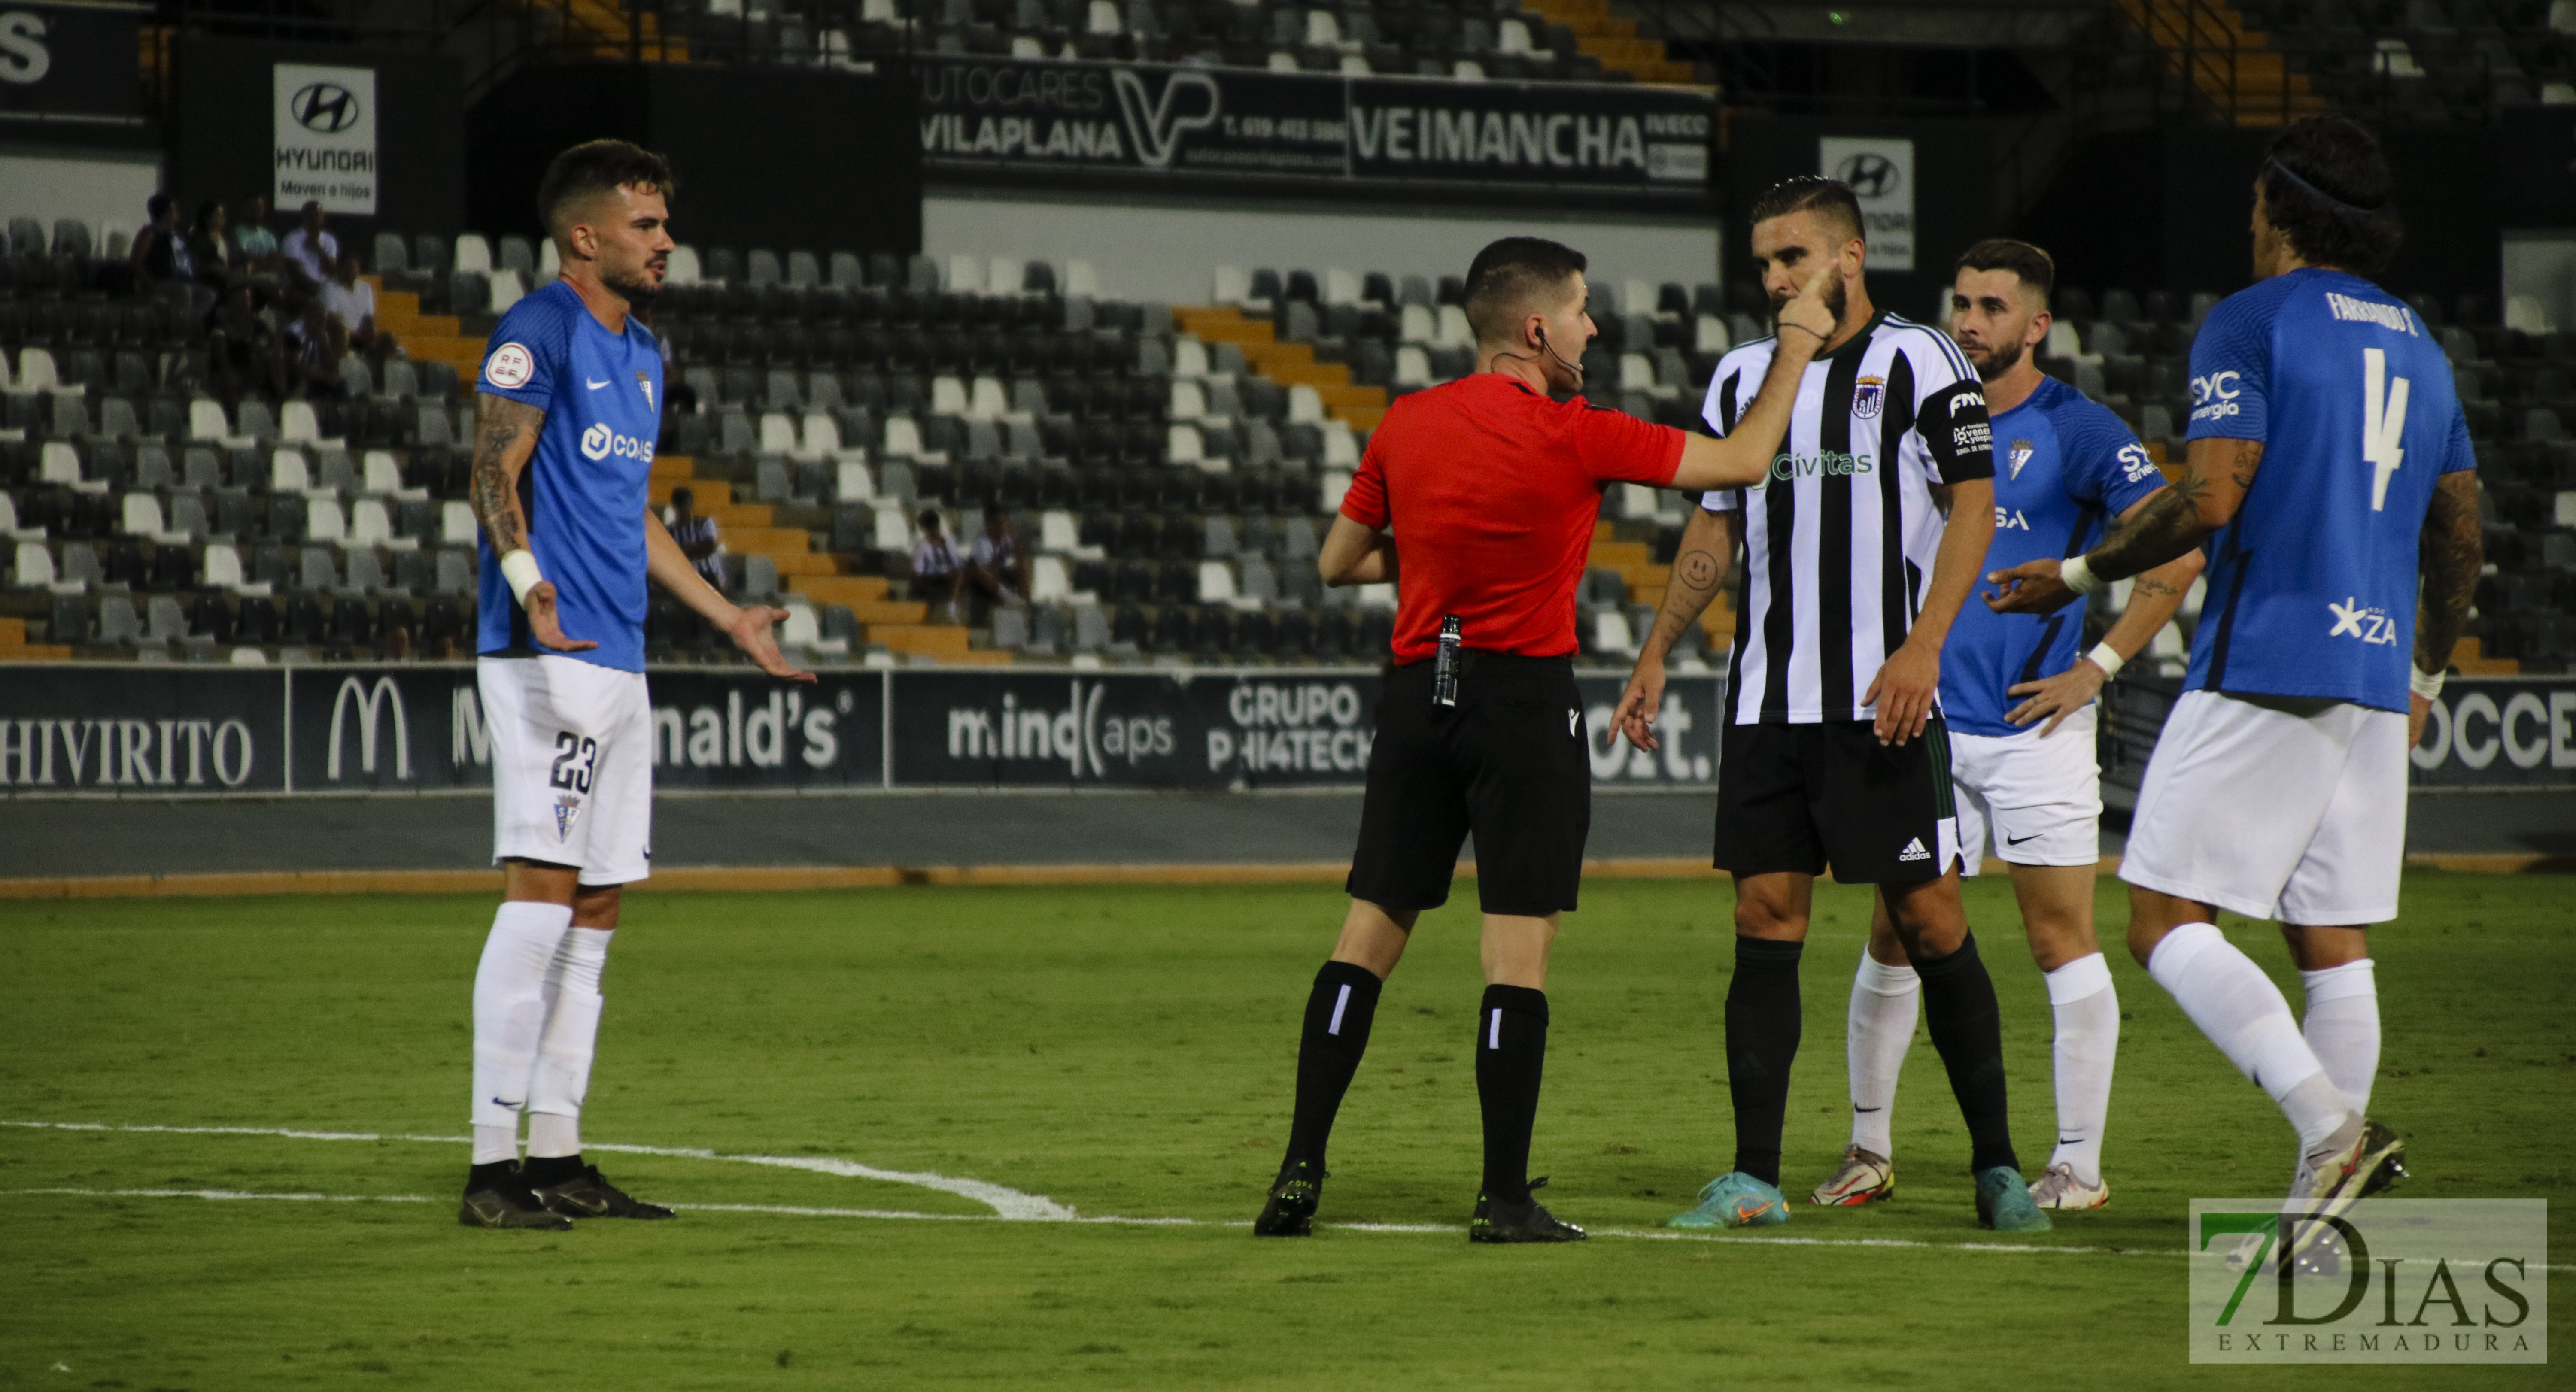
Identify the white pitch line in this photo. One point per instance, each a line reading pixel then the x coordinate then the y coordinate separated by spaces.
pixel 1005 1203
pixel 1008 1205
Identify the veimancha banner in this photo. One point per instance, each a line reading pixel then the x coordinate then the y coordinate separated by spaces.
pixel 1212 126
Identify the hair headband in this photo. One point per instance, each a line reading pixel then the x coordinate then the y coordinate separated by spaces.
pixel 2283 170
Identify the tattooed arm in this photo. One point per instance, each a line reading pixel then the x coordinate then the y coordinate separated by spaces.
pixel 505 439
pixel 1700 569
pixel 2215 477
pixel 2152 602
pixel 2452 553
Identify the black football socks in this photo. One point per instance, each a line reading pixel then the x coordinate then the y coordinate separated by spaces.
pixel 1338 1014
pixel 1511 1053
pixel 1959 1010
pixel 1763 1022
pixel 543 1170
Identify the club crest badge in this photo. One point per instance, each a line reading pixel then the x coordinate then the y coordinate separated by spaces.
pixel 1869 396
pixel 2020 455
pixel 645 381
pixel 567 812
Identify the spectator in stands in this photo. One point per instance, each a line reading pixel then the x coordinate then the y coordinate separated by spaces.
pixel 993 563
pixel 161 252
pixel 310 250
pixel 351 302
pixel 208 244
pixel 311 346
pixel 697 537
pixel 252 238
pixel 241 348
pixel 936 575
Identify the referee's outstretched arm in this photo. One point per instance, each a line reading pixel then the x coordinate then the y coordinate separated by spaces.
pixel 1744 457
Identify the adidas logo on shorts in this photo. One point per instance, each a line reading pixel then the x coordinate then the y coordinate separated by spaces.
pixel 1914 851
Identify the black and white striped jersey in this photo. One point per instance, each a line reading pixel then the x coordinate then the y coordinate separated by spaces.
pixel 1839 541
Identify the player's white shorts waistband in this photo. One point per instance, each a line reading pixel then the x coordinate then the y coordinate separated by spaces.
pixel 2293 811
pixel 572 765
pixel 2039 799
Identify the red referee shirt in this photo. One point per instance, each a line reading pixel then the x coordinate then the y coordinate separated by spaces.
pixel 1492 491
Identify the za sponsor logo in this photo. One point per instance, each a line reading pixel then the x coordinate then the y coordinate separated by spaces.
pixel 2354 619
pixel 2011 519
pixel 2386 1281
pixel 2213 396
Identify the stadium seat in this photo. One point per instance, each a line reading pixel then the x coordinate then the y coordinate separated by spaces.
pixel 473 254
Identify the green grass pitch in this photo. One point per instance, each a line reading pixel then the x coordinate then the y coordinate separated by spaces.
pixel 1128 1052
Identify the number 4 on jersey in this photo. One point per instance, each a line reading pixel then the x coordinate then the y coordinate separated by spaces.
pixel 2383 421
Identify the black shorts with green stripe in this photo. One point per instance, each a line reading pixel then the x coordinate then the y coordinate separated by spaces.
pixel 1798 798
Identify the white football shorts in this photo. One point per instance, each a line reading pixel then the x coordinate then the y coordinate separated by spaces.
pixel 572 765
pixel 2294 811
pixel 2040 800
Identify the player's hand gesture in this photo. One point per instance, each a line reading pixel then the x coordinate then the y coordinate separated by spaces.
pixel 1808 311
pixel 749 630
pixel 1635 717
pixel 2033 587
pixel 545 625
pixel 2057 697
pixel 1904 690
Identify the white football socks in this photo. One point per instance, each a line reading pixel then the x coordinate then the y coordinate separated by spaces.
pixel 509 1018
pixel 2087 1008
pixel 2244 1014
pixel 564 1052
pixel 2343 1027
pixel 1885 1002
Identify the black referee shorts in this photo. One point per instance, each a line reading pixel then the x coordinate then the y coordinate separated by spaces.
pixel 1796 798
pixel 1509 762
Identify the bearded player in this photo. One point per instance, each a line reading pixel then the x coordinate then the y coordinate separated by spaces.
pixel 2020 702
pixel 570 405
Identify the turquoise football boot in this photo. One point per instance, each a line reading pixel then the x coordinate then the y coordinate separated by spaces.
pixel 1736 1200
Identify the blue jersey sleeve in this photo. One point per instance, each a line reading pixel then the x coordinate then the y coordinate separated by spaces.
pixel 2104 464
pixel 2231 369
pixel 2461 454
pixel 529 352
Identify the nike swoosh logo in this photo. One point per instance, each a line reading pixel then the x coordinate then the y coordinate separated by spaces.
pixel 594 386
pixel 497 1102
pixel 2017 840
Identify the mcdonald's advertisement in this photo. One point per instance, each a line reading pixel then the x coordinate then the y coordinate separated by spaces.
pixel 165 730
pixel 1088 122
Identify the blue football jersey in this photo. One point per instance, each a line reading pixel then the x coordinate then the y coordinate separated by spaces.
pixel 2062 465
pixel 2312 584
pixel 584 491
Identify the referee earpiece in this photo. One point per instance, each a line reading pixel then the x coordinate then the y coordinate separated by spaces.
pixel 1574 367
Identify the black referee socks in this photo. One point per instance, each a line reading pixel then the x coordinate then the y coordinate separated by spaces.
pixel 1763 1023
pixel 1338 1014
pixel 1959 1011
pixel 1511 1053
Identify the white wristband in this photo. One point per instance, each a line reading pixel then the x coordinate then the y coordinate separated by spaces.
pixel 2078 576
pixel 2108 660
pixel 520 569
pixel 2425 684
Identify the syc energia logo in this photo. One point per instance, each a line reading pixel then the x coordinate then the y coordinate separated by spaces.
pixel 2387 1281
